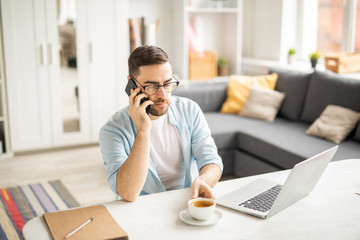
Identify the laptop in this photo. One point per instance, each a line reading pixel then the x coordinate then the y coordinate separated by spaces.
pixel 264 198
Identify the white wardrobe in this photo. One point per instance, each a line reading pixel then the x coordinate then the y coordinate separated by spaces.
pixel 65 64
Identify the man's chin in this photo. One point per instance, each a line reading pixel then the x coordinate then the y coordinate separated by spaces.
pixel 158 112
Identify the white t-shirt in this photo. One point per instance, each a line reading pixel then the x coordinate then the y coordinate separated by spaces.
pixel 166 154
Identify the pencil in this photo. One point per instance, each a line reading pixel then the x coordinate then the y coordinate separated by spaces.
pixel 79 228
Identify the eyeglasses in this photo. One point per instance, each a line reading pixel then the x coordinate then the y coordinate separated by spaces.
pixel 153 89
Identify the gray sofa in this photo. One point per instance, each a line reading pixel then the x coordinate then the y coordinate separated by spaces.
pixel 250 146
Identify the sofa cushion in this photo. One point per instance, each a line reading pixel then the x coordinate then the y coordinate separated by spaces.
pixel 209 97
pixel 239 88
pixel 330 88
pixel 294 85
pixel 282 143
pixel 347 150
pixel 262 139
pixel 334 124
pixel 247 165
pixel 224 129
pixel 228 159
pixel 262 103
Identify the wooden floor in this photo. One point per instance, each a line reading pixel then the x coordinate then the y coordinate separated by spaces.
pixel 80 169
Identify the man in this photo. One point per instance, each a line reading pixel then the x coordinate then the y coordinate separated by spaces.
pixel 169 148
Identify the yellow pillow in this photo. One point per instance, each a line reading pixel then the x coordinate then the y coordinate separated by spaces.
pixel 239 88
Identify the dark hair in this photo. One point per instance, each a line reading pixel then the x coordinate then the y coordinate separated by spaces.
pixel 145 55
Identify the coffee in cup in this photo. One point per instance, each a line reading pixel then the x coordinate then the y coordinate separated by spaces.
pixel 201 208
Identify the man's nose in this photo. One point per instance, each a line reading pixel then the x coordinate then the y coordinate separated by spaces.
pixel 161 91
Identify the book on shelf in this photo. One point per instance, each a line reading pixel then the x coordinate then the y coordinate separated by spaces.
pixel 134 34
pixel 142 29
pixel 141 33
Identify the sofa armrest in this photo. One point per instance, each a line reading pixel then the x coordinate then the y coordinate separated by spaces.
pixel 209 97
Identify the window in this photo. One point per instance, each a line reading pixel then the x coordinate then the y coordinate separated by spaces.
pixel 338 26
pixel 330 25
pixel 357 28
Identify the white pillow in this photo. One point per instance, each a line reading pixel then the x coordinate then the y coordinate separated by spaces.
pixel 334 123
pixel 262 103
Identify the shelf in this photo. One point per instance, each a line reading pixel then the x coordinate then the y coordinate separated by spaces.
pixel 216 28
pixel 299 66
pixel 212 10
pixel 213 81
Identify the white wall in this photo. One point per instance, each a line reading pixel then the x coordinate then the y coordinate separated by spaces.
pixel 262 28
pixel 271 27
pixel 307 27
pixel 289 28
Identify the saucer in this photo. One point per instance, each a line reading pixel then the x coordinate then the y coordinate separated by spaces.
pixel 185 216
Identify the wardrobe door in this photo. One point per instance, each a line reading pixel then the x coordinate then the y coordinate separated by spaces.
pixel 108 42
pixel 26 66
pixel 67 34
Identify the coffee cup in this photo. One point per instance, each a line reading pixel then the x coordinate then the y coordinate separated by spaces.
pixel 201 208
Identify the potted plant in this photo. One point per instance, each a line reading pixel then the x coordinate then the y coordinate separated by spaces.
pixel 223 66
pixel 314 57
pixel 291 55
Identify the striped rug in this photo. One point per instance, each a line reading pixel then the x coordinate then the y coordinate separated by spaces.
pixel 21 203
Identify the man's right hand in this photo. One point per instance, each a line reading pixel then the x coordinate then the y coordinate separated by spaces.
pixel 137 112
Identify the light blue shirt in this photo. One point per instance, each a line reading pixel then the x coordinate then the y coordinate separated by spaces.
pixel 117 137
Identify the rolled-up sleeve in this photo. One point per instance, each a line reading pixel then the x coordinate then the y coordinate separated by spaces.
pixel 115 142
pixel 202 143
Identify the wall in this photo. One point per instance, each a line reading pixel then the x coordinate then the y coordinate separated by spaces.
pixel 272 27
pixel 262 28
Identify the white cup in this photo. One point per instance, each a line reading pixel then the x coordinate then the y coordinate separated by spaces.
pixel 201 208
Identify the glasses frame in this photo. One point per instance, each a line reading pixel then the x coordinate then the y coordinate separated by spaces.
pixel 158 85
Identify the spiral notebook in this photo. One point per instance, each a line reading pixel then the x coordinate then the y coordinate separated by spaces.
pixel 102 225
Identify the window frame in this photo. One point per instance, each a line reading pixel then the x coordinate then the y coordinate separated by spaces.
pixel 308 27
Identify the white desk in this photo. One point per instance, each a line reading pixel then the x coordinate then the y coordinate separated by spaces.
pixel 331 211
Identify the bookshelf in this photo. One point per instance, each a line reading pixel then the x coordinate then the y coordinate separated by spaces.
pixel 170 33
pixel 221 31
pixel 222 28
pixel 5 149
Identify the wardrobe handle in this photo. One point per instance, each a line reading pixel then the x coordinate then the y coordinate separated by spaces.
pixel 90 52
pixel 49 53
pixel 42 54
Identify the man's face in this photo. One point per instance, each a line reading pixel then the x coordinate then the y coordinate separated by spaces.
pixel 157 74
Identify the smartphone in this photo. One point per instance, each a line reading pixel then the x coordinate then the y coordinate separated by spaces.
pixel 132 85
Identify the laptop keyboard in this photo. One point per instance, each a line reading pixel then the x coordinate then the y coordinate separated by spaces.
pixel 263 201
